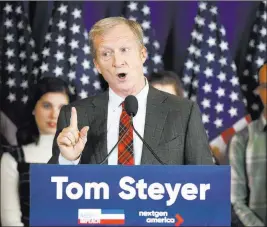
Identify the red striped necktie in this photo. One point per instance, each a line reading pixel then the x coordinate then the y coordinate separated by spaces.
pixel 125 147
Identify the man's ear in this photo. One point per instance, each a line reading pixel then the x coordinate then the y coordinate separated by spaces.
pixel 143 54
pixel 97 66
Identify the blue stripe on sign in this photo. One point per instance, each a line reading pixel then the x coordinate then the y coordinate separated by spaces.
pixel 110 211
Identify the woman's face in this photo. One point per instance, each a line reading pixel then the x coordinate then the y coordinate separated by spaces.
pixel 47 109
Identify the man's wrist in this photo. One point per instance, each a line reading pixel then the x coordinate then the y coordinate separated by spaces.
pixel 71 159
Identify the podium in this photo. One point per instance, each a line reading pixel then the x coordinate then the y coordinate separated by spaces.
pixel 145 195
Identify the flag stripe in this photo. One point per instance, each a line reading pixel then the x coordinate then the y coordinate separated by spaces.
pixel 223 139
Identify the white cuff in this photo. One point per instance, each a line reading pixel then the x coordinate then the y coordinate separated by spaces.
pixel 64 161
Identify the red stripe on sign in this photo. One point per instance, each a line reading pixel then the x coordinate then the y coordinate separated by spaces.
pixel 112 221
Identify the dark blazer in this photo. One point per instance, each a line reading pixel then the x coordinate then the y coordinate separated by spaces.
pixel 173 129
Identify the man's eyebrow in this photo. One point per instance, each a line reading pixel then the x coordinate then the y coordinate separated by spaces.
pixel 46 101
pixel 105 47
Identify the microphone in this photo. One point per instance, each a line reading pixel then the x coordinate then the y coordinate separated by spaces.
pixel 131 107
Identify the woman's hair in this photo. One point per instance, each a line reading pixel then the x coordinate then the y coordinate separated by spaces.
pixel 167 78
pixel 29 133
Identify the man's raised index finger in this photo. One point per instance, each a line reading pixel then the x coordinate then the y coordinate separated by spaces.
pixel 73 118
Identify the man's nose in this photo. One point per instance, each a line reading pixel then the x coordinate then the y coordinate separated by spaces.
pixel 118 60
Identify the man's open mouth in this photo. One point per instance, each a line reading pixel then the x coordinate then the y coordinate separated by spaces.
pixel 121 75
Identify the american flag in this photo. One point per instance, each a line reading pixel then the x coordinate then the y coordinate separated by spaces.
pixel 140 12
pixel 210 78
pixel 16 66
pixel 256 55
pixel 66 53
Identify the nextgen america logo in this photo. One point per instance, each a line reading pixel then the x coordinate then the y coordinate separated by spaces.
pixel 101 216
pixel 161 217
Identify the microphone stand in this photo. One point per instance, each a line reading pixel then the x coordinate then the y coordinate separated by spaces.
pixel 149 148
pixel 113 148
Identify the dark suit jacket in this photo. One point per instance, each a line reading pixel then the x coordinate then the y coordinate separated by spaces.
pixel 173 129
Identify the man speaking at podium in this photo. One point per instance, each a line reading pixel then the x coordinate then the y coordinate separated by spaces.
pixel 100 129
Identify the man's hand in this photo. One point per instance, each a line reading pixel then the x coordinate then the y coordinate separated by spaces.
pixel 71 141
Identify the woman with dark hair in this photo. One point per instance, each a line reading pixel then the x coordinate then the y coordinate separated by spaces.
pixel 35 141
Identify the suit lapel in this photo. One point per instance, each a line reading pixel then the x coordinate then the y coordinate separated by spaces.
pixel 99 125
pixel 156 116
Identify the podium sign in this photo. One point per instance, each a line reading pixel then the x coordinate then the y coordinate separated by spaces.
pixel 95 195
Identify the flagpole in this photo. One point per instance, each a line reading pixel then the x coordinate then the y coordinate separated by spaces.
pixel 1 71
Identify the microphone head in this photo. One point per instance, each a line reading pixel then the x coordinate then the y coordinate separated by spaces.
pixel 131 105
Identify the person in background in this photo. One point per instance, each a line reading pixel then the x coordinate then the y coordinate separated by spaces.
pixel 248 160
pixel 167 81
pixel 35 146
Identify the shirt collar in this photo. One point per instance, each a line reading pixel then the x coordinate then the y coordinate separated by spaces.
pixel 115 100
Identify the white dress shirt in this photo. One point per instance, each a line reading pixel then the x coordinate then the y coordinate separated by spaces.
pixel 113 122
pixel 10 203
